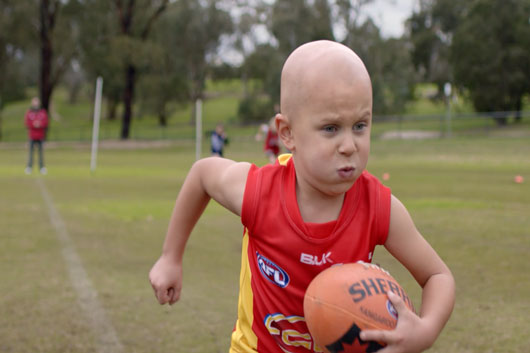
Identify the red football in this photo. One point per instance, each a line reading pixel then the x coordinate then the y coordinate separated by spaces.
pixel 345 299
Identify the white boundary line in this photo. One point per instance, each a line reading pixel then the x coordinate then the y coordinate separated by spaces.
pixel 108 341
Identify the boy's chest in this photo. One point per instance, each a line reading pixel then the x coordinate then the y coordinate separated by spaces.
pixel 286 251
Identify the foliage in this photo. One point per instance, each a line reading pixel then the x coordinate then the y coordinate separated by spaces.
pixel 99 55
pixel 255 109
pixel 431 31
pixel 389 64
pixel 265 64
pixel 452 44
pixel 164 80
pixel 493 61
pixel 348 16
pixel 197 30
pixel 12 43
pixel 153 55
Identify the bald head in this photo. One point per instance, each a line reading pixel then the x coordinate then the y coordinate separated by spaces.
pixel 316 66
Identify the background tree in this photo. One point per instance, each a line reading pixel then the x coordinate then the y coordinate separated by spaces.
pixel 136 19
pixel 294 22
pixel 197 27
pixel 493 61
pixel 262 66
pixel 246 16
pixel 58 35
pixel 389 64
pixel 431 32
pixel 321 27
pixel 11 44
pixel 98 55
pixel 348 17
pixel 164 81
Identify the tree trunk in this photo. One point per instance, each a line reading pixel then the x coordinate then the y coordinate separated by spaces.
pixel 47 20
pixel 162 118
pixel 128 96
pixel 126 15
pixel 162 114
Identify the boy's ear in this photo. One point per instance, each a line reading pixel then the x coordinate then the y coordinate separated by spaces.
pixel 283 127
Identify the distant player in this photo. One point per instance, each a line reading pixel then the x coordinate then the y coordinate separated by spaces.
pixel 312 209
pixel 271 144
pixel 36 121
pixel 218 140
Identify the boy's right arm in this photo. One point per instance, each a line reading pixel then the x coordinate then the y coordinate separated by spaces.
pixel 218 178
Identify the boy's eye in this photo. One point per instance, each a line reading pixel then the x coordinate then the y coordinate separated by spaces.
pixel 330 128
pixel 360 126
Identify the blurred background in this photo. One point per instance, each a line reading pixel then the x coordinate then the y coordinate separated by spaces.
pixel 158 57
pixel 451 137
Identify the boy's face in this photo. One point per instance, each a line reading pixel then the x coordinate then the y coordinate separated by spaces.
pixel 332 137
pixel 329 121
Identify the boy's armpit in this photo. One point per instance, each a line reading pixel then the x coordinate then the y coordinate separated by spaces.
pixel 224 181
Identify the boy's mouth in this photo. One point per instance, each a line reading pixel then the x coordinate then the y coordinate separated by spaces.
pixel 346 172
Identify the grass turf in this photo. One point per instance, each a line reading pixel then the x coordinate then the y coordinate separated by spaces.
pixel 460 193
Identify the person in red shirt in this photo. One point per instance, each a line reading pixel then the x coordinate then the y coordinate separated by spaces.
pixel 36 121
pixel 272 142
pixel 312 209
pixel 271 145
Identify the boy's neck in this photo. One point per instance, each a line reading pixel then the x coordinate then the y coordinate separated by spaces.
pixel 318 208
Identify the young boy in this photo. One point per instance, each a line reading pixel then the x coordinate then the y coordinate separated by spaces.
pixel 315 209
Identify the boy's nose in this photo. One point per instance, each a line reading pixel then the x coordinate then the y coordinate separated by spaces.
pixel 347 145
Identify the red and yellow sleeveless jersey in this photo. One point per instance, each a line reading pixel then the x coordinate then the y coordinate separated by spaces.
pixel 281 254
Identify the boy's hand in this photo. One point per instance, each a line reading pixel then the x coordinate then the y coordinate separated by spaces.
pixel 166 280
pixel 411 334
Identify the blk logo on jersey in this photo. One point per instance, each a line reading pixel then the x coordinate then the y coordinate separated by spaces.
pixel 272 272
pixel 315 260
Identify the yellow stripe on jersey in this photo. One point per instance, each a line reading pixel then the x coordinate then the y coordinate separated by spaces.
pixel 244 340
pixel 284 158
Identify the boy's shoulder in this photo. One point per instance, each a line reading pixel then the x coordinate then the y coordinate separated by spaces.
pixel 282 165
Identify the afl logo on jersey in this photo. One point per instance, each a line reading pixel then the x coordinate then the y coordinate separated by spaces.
pixel 272 272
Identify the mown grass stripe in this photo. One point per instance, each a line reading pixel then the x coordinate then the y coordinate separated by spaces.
pixel 108 341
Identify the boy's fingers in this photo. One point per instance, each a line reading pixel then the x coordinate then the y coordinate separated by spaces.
pixel 173 295
pixel 175 298
pixel 387 336
pixel 376 335
pixel 161 295
pixel 397 302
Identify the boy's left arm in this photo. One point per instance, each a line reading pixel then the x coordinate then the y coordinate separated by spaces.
pixel 415 333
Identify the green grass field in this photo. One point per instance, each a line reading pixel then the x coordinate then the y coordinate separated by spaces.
pixel 460 192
